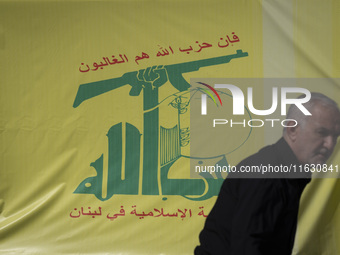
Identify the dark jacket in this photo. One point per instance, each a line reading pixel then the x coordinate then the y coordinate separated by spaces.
pixel 255 216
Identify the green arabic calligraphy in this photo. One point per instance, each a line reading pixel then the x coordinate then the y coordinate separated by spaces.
pixel 123 177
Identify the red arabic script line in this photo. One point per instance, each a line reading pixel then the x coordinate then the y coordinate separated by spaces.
pixel 154 213
pixel 163 51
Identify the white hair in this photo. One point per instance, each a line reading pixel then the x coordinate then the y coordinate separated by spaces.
pixel 316 99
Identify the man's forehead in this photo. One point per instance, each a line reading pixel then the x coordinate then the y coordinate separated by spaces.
pixel 325 110
pixel 325 115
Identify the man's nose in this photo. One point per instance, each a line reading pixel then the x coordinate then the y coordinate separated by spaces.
pixel 330 142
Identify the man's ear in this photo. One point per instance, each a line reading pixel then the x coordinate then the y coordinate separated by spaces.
pixel 292 131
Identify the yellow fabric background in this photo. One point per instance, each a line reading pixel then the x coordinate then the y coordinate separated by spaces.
pixel 46 145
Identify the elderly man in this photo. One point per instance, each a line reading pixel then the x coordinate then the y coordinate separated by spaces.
pixel 255 216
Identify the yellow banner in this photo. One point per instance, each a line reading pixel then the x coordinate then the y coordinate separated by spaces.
pixel 95 117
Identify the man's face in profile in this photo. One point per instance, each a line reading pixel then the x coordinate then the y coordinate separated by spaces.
pixel 317 137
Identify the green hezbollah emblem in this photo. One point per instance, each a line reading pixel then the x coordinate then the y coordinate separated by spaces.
pixel 148 80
